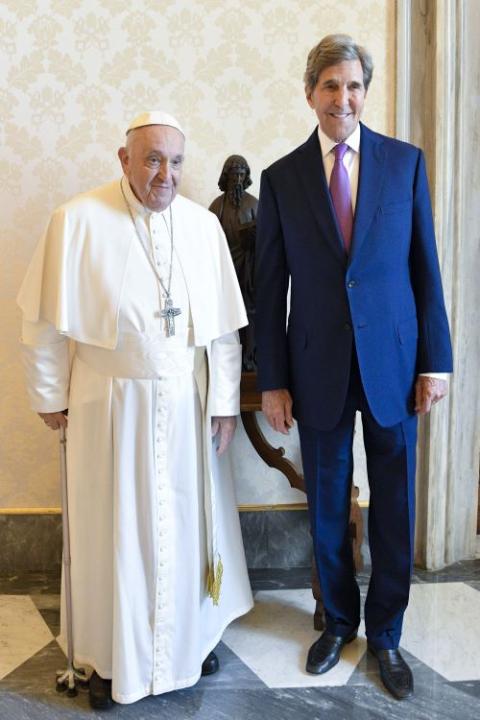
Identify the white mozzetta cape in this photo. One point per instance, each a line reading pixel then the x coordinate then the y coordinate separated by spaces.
pixel 76 276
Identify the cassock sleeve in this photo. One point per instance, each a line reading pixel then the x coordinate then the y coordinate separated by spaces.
pixel 47 368
pixel 225 372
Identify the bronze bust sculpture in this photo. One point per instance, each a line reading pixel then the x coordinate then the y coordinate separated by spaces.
pixel 237 210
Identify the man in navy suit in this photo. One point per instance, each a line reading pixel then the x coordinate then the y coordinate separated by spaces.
pixel 346 219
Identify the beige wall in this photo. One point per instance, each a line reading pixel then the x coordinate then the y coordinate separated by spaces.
pixel 73 73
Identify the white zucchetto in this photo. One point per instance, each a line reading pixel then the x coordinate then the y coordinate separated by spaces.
pixel 155 117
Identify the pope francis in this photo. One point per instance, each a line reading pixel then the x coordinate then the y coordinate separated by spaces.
pixel 138 281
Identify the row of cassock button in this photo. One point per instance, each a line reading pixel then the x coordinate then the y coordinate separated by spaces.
pixel 160 639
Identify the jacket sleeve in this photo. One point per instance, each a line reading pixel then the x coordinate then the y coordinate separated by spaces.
pixel 271 288
pixel 434 352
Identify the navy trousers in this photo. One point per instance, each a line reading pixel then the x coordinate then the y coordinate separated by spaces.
pixel 328 469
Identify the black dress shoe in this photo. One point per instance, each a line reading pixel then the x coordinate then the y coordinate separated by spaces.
pixel 100 692
pixel 325 653
pixel 394 671
pixel 210 665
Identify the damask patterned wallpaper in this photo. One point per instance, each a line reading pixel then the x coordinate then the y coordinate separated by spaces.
pixel 73 72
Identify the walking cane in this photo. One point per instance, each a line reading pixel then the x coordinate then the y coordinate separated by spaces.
pixel 67 679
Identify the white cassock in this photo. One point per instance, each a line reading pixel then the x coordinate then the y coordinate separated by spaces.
pixel 151 508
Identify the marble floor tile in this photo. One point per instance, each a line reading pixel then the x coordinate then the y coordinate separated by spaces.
pixel 24 584
pixel 471 688
pixel 475 584
pixel 22 631
pixel 233 673
pixel 46 602
pixel 37 676
pixel 333 703
pixel 374 703
pixel 262 660
pixel 49 608
pixel 274 638
pixel 465 570
pixel 278 578
pixel 442 629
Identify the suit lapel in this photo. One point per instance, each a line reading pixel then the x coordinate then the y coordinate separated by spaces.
pixel 370 180
pixel 309 165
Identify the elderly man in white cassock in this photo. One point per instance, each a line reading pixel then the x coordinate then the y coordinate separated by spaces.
pixel 141 280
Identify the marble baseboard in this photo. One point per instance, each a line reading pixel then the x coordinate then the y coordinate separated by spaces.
pixel 281 539
pixel 272 538
pixel 33 543
pixel 30 544
pixel 276 538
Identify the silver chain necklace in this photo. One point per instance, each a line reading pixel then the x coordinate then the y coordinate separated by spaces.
pixel 169 312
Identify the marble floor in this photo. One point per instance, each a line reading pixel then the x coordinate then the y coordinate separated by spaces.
pixel 262 658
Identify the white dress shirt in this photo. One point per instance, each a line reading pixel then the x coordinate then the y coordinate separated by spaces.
pixel 351 159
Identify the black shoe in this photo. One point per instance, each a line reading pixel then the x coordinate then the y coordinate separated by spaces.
pixel 100 692
pixel 394 671
pixel 210 665
pixel 325 653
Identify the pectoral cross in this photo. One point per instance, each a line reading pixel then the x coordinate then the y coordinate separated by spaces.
pixel 169 314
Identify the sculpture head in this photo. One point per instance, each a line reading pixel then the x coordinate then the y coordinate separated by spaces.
pixel 235 178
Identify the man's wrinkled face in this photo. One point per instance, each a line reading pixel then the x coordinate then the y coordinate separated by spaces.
pixel 152 161
pixel 338 99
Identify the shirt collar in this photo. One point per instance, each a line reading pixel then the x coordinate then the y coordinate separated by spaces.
pixel 327 145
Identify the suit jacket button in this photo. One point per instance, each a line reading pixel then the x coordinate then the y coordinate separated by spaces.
pixel 352 283
pixel 347 326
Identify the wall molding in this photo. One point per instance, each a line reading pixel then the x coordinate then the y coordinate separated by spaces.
pixel 437 84
pixel 31 511
pixel 403 69
pixel 241 508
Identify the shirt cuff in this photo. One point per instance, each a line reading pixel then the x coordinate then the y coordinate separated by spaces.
pixel 437 375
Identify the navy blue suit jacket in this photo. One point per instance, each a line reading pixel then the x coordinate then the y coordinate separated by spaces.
pixel 386 296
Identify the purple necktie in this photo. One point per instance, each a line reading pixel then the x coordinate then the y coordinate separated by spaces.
pixel 341 195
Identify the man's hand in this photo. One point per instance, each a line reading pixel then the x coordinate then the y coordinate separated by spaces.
pixel 277 408
pixel 223 428
pixel 54 420
pixel 428 391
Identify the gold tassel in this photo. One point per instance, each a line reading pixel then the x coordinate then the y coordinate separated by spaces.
pixel 214 581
